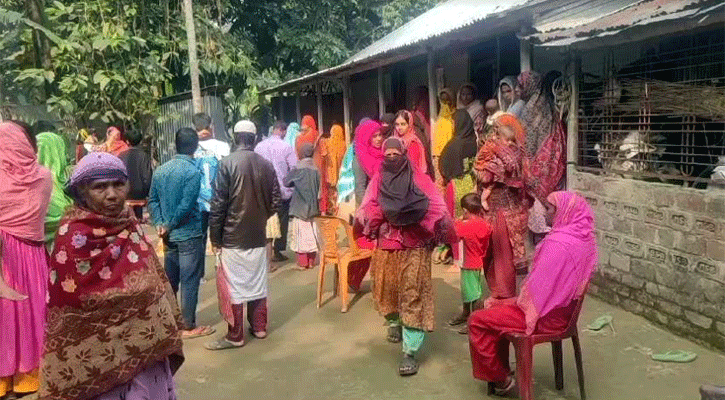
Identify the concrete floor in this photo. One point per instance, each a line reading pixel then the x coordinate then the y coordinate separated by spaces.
pixel 323 354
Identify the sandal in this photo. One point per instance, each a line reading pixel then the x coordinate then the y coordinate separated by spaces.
pixel 222 344
pixel 199 331
pixel 258 335
pixel 408 366
pixel 502 392
pixel 395 334
pixel 458 320
pixel 464 330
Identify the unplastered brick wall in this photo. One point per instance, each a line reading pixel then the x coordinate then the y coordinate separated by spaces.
pixel 661 252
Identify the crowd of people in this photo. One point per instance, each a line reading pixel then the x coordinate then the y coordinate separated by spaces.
pixel 81 286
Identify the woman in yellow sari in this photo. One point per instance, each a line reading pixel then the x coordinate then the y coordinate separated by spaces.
pixel 331 152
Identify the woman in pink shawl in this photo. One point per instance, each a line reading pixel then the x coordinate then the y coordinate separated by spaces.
pixel 369 147
pixel 25 189
pixel 405 214
pixel 563 264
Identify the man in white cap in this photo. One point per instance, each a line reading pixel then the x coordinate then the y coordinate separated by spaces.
pixel 246 195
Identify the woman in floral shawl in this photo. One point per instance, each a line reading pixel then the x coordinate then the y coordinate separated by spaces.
pixel 113 327
pixel 508 207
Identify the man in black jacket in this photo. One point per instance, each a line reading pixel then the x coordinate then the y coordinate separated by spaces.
pixel 246 194
pixel 138 164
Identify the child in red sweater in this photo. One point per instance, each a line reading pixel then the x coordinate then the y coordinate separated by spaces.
pixel 474 234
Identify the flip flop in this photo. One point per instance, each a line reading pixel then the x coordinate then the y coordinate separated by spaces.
pixel 458 320
pixel 222 344
pixel 600 323
pixel 464 330
pixel 199 331
pixel 507 390
pixel 258 335
pixel 408 366
pixel 679 356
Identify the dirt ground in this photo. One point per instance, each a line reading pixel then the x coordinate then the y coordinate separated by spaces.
pixel 322 354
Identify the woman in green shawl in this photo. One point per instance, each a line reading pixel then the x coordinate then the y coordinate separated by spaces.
pixel 52 155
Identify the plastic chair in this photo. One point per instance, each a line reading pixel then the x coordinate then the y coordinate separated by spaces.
pixel 524 349
pixel 331 253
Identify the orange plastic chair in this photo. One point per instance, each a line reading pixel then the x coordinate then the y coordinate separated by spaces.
pixel 524 348
pixel 332 253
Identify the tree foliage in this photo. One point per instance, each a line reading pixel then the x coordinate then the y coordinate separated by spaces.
pixel 113 59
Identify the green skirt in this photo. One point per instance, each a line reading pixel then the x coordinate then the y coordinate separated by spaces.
pixel 470 285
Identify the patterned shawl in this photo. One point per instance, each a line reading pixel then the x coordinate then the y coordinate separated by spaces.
pixel 52 155
pixel 537 115
pixel 111 310
pixel 564 261
pixel 25 186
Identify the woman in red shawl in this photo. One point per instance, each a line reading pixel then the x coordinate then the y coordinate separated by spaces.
pixel 308 133
pixel 562 267
pixel 509 205
pixel 115 143
pixel 405 214
pixel 113 327
pixel 405 131
pixel 25 189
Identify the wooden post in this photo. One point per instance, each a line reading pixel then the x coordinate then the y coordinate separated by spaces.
pixel 381 93
pixel 432 91
pixel 572 142
pixel 497 75
pixel 525 51
pixel 281 107
pixel 298 108
pixel 346 107
pixel 318 87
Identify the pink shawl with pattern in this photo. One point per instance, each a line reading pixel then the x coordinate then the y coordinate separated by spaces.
pixel 564 261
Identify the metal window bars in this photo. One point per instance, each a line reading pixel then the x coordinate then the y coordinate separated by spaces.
pixel 659 117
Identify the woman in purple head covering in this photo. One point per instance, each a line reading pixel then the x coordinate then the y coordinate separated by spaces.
pixel 107 291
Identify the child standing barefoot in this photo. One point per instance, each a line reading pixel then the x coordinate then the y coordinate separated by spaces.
pixel 475 233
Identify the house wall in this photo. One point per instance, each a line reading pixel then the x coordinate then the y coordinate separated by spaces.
pixel 661 252
pixel 363 96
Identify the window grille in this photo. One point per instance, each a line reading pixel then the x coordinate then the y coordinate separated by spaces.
pixel 655 111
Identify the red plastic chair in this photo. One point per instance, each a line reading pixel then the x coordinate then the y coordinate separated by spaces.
pixel 524 348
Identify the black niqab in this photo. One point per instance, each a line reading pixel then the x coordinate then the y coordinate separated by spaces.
pixel 402 202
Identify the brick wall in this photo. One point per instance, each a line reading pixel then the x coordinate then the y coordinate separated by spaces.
pixel 661 252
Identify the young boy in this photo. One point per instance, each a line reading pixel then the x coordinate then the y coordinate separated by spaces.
pixel 304 207
pixel 474 234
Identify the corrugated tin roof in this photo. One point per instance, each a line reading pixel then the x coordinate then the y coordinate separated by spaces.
pixel 616 16
pixel 438 21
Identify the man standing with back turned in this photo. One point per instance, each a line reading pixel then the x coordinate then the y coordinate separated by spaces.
pixel 246 194
pixel 283 158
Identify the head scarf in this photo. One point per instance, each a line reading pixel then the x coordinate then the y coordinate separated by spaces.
pixel 115 143
pixel 462 146
pixel 414 144
pixel 511 82
pixel 336 148
pixel 563 262
pixel 25 186
pixel 107 291
pixel 52 155
pixel 474 108
pixel 306 137
pixel 293 131
pixel 93 167
pixel 444 126
pixel 368 156
pixel 537 116
pixel 401 201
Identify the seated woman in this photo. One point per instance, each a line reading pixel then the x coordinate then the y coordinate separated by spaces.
pixel 562 266
pixel 110 304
